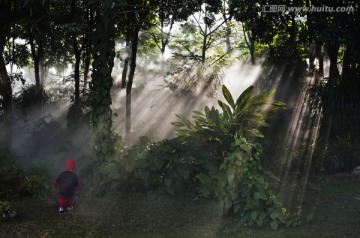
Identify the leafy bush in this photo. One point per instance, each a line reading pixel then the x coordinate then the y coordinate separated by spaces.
pixel 237 181
pixel 29 96
pixel 14 181
pixel 241 188
pixel 337 155
pixel 164 164
pixel 211 156
pixel 75 117
pixel 9 174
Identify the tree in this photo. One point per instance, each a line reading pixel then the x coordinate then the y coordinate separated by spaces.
pixel 142 14
pixel 36 29
pixel 249 15
pixel 103 53
pixel 170 11
pixel 8 13
pixel 206 23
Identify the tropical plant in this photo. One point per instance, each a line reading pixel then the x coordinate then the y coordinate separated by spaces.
pixel 241 188
pixel 240 118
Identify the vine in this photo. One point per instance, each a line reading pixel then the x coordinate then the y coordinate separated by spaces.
pixel 103 53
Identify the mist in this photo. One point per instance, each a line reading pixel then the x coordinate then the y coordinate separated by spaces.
pixel 41 135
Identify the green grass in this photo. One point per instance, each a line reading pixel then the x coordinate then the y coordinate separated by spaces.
pixel 332 203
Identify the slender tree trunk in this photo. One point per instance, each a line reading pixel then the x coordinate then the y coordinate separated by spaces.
pixel 346 62
pixel 203 50
pixel 252 50
pixel 165 37
pixel 86 67
pixel 42 68
pixel 228 42
pixel 77 77
pixel 250 42
pixel 89 18
pixel 126 61
pixel 37 72
pixel 312 55
pixel 6 93
pixel 320 57
pixel 134 45
pixel 36 55
pixel 77 53
pixel 333 56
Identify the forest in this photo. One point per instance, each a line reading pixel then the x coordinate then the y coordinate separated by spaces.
pixel 193 118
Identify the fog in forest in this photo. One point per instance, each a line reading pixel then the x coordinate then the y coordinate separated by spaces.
pixel 41 136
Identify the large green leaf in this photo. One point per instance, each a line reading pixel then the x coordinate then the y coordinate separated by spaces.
pixel 228 97
pixel 226 109
pixel 243 98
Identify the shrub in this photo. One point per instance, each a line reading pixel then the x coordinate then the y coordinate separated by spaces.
pixel 241 188
pixel 14 181
pixel 30 96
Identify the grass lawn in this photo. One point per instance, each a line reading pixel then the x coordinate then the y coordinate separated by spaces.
pixel 332 203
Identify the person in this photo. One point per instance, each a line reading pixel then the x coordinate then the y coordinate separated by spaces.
pixel 68 183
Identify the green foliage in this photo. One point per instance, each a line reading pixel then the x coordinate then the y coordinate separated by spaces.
pixel 190 79
pixel 240 117
pixel 284 49
pixel 37 180
pixel 338 105
pixel 236 180
pixel 107 176
pixel 241 188
pixel 15 181
pixel 103 54
pixel 164 164
pixel 75 117
pixel 336 155
pixel 30 96
pixel 9 172
pixel 17 77
pixel 204 157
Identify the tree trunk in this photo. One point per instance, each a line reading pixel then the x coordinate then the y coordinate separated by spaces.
pixel 86 66
pixel 320 57
pixel 311 56
pixel 77 77
pixel 77 54
pixel 134 45
pixel 126 61
pixel 42 70
pixel 203 50
pixel 37 72
pixel 252 51
pixel 36 55
pixel 250 42
pixel 165 37
pixel 333 56
pixel 6 93
pixel 228 42
pixel 87 43
pixel 346 63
